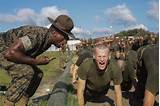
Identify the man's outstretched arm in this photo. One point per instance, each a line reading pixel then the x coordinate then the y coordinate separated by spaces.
pixel 149 98
pixel 118 95
pixel 80 92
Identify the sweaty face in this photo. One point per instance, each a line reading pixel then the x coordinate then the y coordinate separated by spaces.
pixel 102 57
pixel 58 40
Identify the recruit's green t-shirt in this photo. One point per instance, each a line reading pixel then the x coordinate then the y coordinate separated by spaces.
pixel 149 55
pixel 96 82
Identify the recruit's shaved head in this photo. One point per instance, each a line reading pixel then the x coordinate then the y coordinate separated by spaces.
pixel 101 55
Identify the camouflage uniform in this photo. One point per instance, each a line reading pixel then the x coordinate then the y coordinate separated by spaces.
pixel 25 78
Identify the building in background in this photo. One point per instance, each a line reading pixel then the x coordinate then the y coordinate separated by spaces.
pixel 71 44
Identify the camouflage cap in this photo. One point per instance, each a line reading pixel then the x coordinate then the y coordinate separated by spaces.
pixel 64 24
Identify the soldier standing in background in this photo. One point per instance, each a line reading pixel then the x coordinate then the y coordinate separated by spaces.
pixel 83 53
pixel 19 49
pixel 129 73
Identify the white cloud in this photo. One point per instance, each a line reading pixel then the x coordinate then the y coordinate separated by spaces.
pixel 27 16
pixel 7 18
pixel 103 30
pixel 84 33
pixel 139 26
pixel 120 14
pixel 25 13
pixel 52 11
pixel 78 30
pixel 81 32
pixel 153 12
pixel 32 17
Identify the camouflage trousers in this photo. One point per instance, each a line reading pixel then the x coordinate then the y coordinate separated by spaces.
pixel 25 79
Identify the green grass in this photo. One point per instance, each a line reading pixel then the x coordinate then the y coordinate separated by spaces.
pixel 71 96
pixel 4 78
pixel 71 99
pixel 50 70
pixel 47 69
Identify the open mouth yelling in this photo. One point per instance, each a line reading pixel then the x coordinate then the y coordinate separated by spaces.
pixel 101 65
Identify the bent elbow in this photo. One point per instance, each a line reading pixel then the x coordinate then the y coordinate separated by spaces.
pixel 9 54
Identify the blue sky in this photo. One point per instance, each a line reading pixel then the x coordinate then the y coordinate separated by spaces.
pixel 92 18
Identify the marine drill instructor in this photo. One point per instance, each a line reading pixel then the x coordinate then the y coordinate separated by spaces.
pixel 19 49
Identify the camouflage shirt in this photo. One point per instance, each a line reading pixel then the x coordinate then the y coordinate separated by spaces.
pixel 35 39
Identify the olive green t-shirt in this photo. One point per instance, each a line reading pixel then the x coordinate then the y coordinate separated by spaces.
pixel 131 65
pixel 149 55
pixel 96 82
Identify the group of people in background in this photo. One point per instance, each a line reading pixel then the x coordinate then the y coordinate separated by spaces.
pixel 133 61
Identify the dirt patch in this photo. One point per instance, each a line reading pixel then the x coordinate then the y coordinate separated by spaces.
pixel 47 85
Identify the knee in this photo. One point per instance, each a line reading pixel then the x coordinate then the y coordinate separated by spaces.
pixel 28 72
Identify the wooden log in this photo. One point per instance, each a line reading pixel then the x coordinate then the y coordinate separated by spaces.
pixel 58 96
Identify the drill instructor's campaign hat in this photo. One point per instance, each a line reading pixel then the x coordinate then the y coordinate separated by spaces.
pixel 64 24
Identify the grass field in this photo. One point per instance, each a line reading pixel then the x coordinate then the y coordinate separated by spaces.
pixel 49 70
